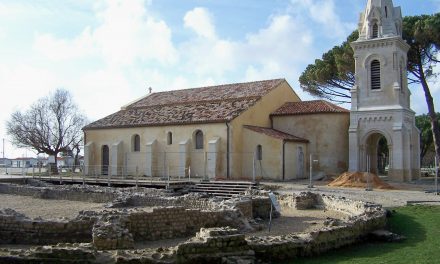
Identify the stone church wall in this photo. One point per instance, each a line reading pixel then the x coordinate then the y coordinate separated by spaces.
pixel 328 136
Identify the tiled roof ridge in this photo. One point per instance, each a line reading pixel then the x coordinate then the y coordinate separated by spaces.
pixel 194 105
pixel 286 135
pixel 178 94
pixel 333 105
pixel 195 101
pixel 220 85
pixel 332 108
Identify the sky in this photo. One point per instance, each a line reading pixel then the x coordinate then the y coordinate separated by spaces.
pixel 107 53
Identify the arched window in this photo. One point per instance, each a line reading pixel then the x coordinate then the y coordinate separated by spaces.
pixel 169 138
pixel 105 159
pixel 375 75
pixel 386 11
pixel 375 32
pixel 136 143
pixel 199 139
pixel 259 153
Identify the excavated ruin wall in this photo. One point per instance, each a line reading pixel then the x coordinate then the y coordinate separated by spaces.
pixel 364 218
pixel 118 198
pixel 161 223
pixel 172 222
pixel 171 217
pixel 17 229
pixel 94 195
pixel 214 245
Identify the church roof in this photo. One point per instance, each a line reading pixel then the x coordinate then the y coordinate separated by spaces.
pixel 308 107
pixel 189 106
pixel 276 134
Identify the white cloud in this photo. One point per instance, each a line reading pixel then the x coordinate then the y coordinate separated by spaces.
pixel 128 32
pixel 200 20
pixel 62 49
pixel 324 13
pixel 268 53
pixel 125 33
pixel 284 40
pixel 102 92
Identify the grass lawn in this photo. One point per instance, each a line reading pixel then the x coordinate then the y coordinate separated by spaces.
pixel 419 224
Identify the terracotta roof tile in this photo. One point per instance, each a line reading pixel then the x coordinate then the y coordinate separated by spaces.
pixel 197 105
pixel 308 107
pixel 220 92
pixel 276 134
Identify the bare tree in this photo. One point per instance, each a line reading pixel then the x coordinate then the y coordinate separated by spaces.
pixel 52 125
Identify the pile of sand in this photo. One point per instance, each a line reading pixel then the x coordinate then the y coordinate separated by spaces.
pixel 359 180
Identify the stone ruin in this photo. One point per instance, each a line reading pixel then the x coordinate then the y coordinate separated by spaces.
pixel 220 228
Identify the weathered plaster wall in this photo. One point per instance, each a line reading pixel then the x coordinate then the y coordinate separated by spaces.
pixel 180 133
pixel 328 136
pixel 270 167
pixel 257 115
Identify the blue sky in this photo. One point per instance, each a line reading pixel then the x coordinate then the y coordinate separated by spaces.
pixel 108 52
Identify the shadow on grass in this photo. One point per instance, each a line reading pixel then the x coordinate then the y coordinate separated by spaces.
pixel 407 221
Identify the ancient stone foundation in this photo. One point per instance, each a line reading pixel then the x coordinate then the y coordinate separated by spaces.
pixel 220 228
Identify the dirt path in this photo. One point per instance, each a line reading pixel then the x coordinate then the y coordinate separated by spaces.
pixel 407 193
pixel 47 209
pixel 298 221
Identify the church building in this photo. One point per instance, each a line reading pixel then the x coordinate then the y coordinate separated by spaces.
pixel 262 130
pixel 234 131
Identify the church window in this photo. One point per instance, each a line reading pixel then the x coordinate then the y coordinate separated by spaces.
pixel 386 11
pixel 375 33
pixel 375 75
pixel 169 138
pixel 136 143
pixel 199 139
pixel 259 153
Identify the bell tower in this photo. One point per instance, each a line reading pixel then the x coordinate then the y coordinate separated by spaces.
pixel 382 124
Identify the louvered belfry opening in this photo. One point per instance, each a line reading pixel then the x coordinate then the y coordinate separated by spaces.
pixel 375 31
pixel 375 75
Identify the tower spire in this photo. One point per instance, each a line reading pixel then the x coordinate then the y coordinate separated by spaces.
pixel 380 100
pixel 380 20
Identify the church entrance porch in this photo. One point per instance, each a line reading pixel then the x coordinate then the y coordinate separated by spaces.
pixel 377 151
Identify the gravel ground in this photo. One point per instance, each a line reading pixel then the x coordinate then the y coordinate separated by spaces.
pixel 297 221
pixel 46 209
pixel 404 194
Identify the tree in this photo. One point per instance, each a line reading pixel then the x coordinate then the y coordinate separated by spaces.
pixel 422 33
pixel 333 76
pixel 52 125
pixel 423 123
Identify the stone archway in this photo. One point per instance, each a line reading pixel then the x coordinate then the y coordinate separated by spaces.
pixel 377 147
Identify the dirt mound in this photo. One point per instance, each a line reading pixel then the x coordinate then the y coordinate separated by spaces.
pixel 359 180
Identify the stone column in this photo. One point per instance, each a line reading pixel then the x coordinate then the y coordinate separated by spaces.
pixel 213 157
pixel 151 157
pixel 353 149
pixel 89 157
pixel 116 159
pixel 184 157
pixel 397 172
